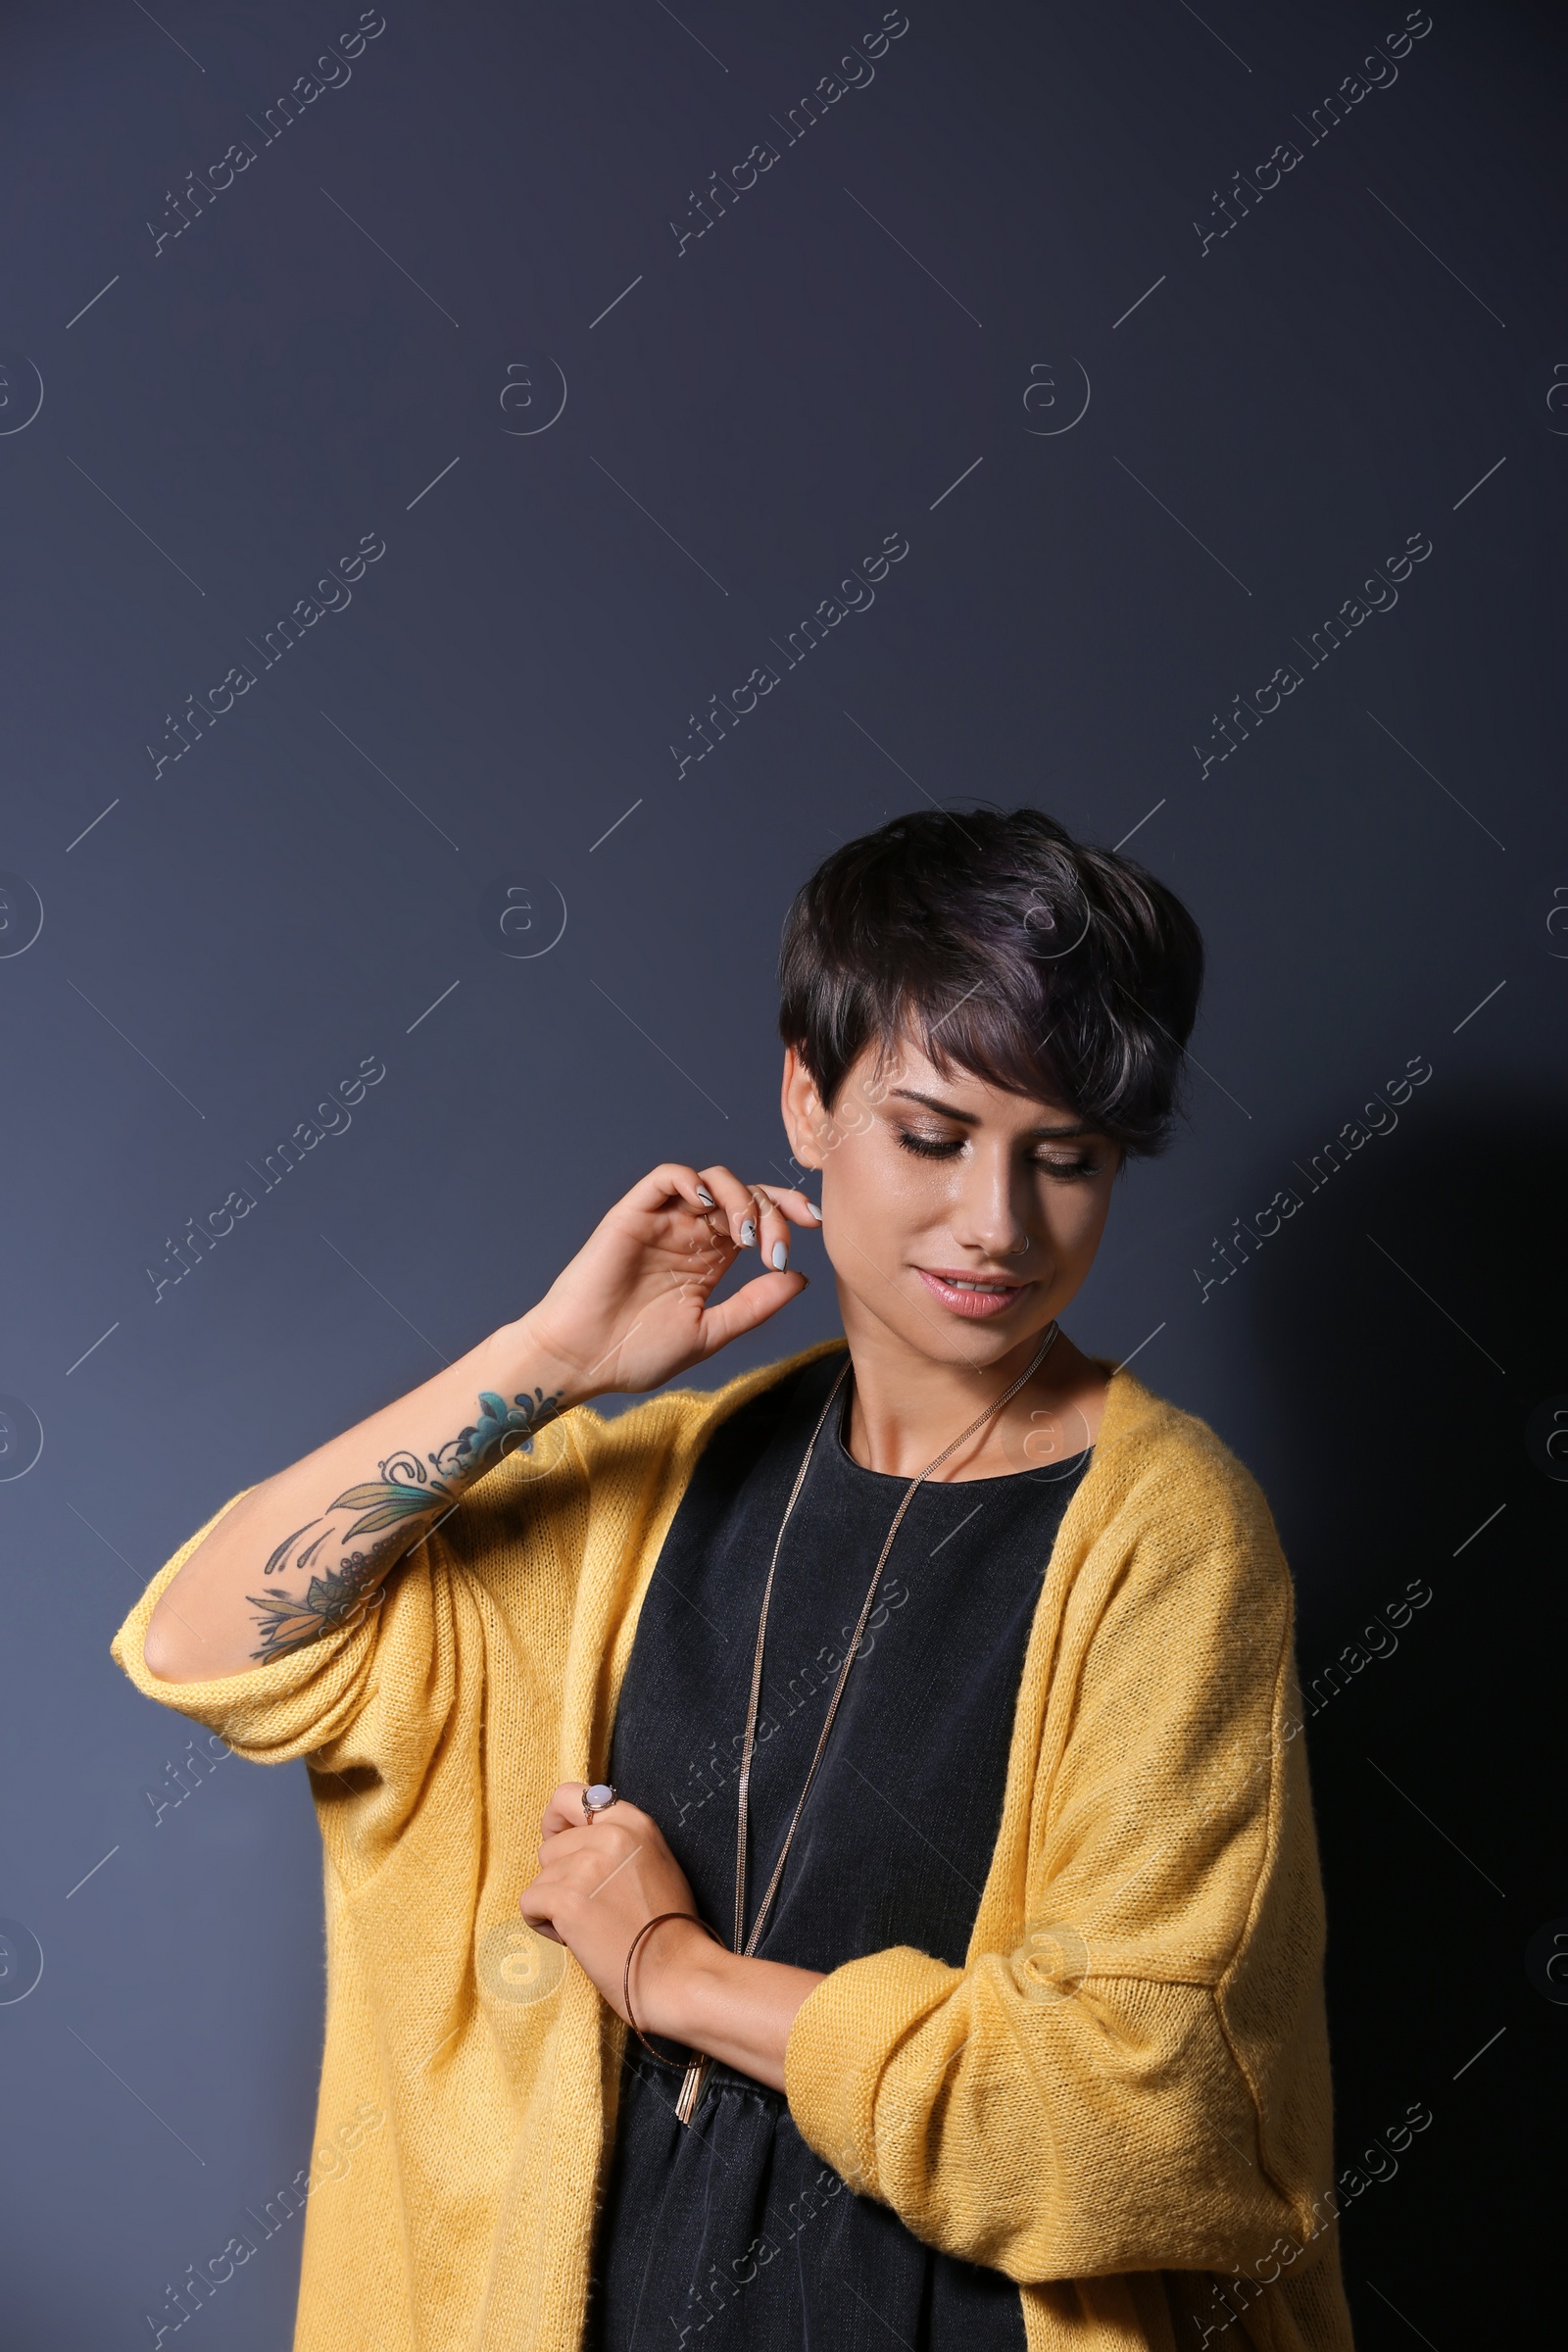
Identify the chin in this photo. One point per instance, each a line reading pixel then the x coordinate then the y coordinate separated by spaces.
pixel 944 1338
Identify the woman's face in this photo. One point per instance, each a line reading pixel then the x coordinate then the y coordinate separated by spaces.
pixel 959 1216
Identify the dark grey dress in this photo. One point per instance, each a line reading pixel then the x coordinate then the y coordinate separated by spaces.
pixel 732 2236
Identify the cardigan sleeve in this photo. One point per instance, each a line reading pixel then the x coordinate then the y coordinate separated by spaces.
pixel 1131 2072
pixel 476 1628
pixel 372 1707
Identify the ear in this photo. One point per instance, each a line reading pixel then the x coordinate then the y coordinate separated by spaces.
pixel 804 1120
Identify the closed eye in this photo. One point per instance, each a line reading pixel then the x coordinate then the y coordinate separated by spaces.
pixel 1073 1168
pixel 929 1147
pixel 1069 1170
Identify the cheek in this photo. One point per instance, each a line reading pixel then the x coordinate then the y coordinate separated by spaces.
pixel 875 1198
pixel 1074 1219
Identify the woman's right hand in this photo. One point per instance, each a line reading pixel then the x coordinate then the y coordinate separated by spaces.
pixel 631 1308
pixel 306 1551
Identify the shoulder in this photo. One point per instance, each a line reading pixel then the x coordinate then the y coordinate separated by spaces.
pixel 1165 1487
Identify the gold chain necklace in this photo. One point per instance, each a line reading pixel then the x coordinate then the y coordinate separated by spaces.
pixel 691 2089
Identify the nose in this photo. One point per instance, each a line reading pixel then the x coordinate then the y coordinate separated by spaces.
pixel 988 1210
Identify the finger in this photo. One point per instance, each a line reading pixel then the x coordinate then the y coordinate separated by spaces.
pixel 625 1816
pixel 564 1818
pixel 570 1851
pixel 670 1181
pixel 709 1247
pixel 750 1305
pixel 564 1809
pixel 798 1206
pixel 612 1830
pixel 773 1231
pixel 534 1902
pixel 736 1201
pixel 558 1845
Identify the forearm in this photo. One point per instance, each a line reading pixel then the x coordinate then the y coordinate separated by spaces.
pixel 306 1551
pixel 301 1552
pixel 738 2011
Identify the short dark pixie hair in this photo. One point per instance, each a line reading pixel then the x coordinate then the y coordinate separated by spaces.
pixel 1004 948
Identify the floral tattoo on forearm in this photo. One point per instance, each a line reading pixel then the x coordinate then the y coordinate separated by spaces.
pixel 389 1508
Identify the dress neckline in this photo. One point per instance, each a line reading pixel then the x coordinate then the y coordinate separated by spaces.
pixel 1048 1474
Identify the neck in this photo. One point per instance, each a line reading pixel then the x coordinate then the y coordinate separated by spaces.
pixel 908 1407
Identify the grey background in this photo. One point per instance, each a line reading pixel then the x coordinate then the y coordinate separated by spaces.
pixel 1380 874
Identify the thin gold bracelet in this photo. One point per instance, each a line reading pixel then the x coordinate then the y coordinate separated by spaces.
pixel 647 1927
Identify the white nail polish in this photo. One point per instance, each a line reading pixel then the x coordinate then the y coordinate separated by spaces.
pixel 781 1258
pixel 748 1234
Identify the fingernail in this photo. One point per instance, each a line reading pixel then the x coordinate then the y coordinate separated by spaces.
pixel 781 1256
pixel 816 1211
pixel 705 1195
pixel 748 1234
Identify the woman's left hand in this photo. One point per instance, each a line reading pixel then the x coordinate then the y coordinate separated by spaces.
pixel 598 1883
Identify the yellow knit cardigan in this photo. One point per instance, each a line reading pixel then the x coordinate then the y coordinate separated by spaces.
pixel 1122 2100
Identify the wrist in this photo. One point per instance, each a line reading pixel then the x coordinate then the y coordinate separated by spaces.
pixel 527 1355
pixel 680 1978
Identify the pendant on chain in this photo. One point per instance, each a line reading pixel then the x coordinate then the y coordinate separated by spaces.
pixel 691 2089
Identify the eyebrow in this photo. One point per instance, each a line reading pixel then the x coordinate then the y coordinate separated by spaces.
pixel 970 1118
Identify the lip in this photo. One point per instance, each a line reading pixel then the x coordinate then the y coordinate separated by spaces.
pixel 975 1305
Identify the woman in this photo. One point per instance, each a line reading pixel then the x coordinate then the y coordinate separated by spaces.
pixel 913 1725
